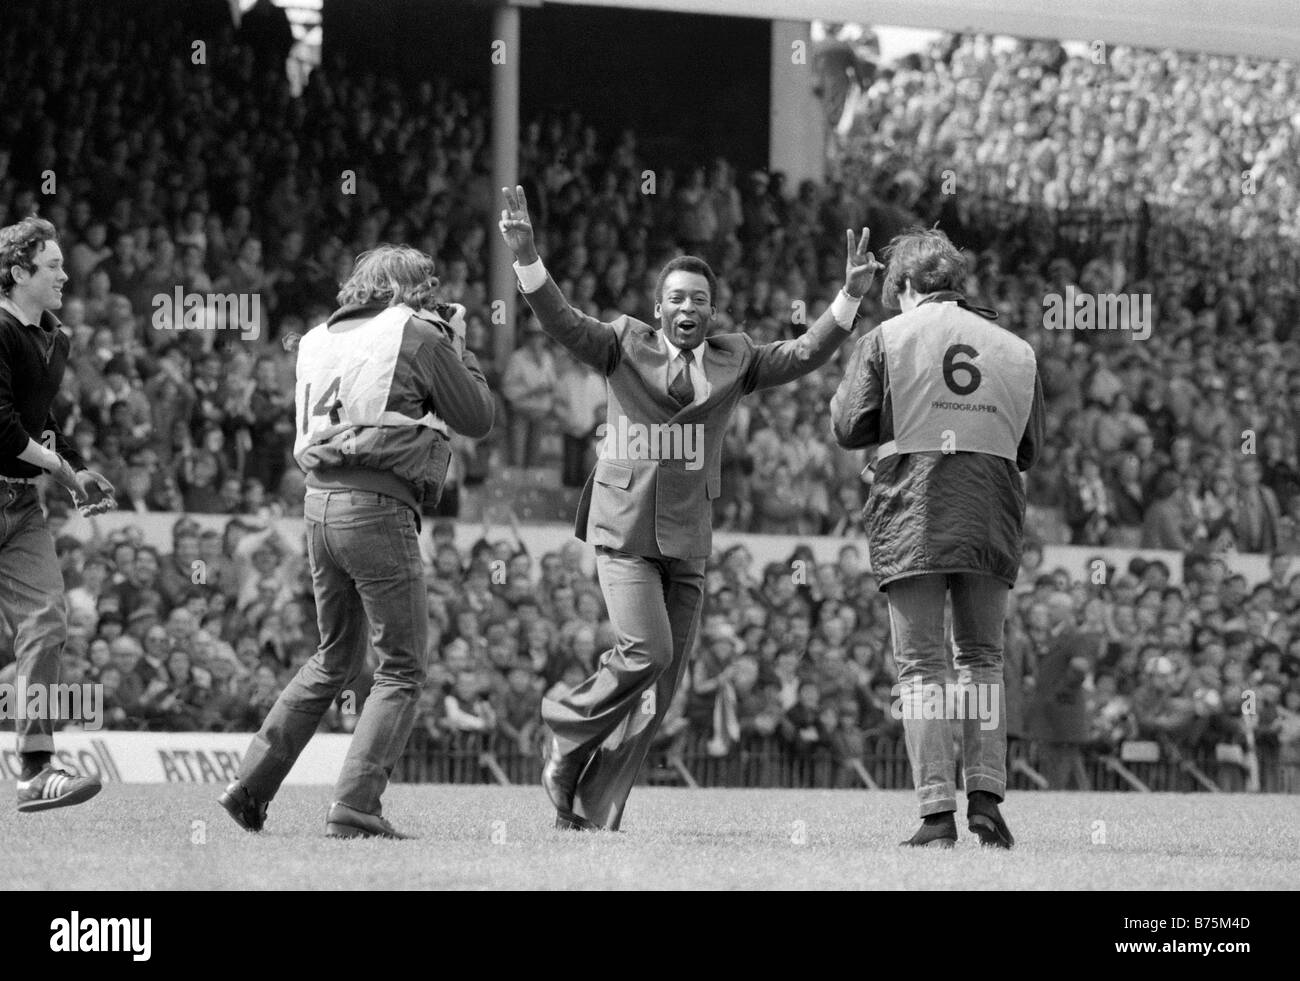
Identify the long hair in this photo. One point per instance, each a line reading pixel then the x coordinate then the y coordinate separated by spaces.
pixel 391 275
pixel 18 247
pixel 928 258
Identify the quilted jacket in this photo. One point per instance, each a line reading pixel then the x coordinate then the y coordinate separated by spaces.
pixel 933 512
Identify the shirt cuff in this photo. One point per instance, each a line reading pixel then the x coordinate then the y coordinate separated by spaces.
pixel 844 308
pixel 532 277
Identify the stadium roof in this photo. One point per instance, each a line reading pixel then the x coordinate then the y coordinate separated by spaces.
pixel 1267 29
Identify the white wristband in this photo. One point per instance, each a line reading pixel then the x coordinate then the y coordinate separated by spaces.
pixel 844 308
pixel 532 277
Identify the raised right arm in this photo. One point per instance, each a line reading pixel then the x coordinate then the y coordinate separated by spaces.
pixel 591 341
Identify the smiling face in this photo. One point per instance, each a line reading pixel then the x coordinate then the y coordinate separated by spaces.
pixel 43 286
pixel 685 308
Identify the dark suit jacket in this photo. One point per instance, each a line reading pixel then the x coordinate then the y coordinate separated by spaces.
pixel 662 506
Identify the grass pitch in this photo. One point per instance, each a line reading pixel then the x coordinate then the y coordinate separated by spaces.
pixel 477 837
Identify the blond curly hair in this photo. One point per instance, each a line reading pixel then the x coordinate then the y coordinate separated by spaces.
pixel 391 275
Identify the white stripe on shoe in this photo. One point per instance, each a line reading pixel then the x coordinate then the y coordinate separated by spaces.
pixel 54 785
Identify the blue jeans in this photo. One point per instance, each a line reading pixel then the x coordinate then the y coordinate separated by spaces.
pixel 31 599
pixel 366 569
pixel 977 702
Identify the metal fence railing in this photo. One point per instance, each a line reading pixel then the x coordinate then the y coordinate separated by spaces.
pixel 771 762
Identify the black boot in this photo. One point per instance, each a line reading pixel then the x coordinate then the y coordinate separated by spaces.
pixel 936 831
pixel 985 820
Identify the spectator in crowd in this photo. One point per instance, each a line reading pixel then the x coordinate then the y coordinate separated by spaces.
pixel 466 707
pixel 1257 512
pixel 1090 509
pixel 1058 713
pixel 802 726
pixel 758 707
pixel 519 717
pixel 1169 522
pixel 529 386
pixel 580 406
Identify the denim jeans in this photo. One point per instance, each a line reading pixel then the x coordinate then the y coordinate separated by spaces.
pixel 979 609
pixel 366 570
pixel 31 600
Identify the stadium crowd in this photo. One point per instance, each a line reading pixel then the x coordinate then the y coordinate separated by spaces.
pixel 213 178
pixel 201 639
pixel 173 175
pixel 1097 126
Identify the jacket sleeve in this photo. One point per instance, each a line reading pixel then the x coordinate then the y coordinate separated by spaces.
pixel 590 341
pixel 456 390
pixel 1031 443
pixel 13 437
pixel 784 361
pixel 857 403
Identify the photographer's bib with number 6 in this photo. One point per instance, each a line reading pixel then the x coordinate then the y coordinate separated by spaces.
pixel 959 383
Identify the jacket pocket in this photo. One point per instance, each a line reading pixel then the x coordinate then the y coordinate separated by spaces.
pixel 613 474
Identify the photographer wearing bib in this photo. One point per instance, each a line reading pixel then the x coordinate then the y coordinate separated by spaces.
pixel 380 388
pixel 954 407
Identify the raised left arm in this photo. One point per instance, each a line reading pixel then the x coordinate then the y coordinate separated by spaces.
pixel 784 361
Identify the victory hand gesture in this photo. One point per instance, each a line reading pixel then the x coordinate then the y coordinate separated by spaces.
pixel 860 269
pixel 516 228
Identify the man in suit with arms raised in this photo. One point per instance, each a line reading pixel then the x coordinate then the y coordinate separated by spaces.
pixel 647 506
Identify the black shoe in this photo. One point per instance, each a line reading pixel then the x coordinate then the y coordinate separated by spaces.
pixel 569 821
pixel 941 833
pixel 342 821
pixel 984 819
pixel 249 812
pixel 560 781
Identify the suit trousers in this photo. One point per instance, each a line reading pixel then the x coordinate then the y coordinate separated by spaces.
pixel 31 599
pixel 366 571
pixel 612 717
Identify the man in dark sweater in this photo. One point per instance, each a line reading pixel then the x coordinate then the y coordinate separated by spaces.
pixel 33 355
